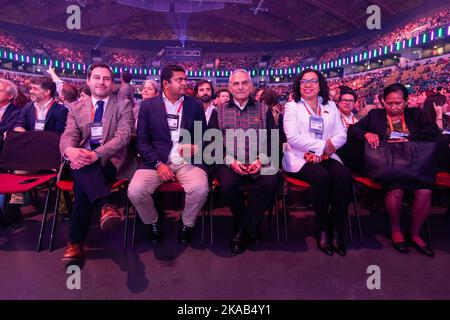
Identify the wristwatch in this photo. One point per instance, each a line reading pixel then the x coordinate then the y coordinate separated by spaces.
pixel 99 157
pixel 157 164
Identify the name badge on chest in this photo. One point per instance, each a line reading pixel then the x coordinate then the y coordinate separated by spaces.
pixel 316 124
pixel 173 121
pixel 96 132
pixel 397 135
pixel 39 125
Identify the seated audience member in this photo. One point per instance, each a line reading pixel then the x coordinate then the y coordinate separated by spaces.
pixel 96 144
pixel 241 168
pixel 44 113
pixel 8 111
pixel 164 158
pixel 398 124
pixel 314 132
pixel 204 92
pixel 434 109
pixel 222 97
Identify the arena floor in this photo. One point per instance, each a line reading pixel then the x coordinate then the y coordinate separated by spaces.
pixel 173 271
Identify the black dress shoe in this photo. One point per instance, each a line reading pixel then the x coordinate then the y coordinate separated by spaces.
pixel 425 249
pixel 323 243
pixel 154 233
pixel 255 239
pixel 338 244
pixel 238 244
pixel 185 233
pixel 10 215
pixel 401 246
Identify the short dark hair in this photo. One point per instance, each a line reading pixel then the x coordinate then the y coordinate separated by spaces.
pixel 202 82
pixel 85 89
pixel 99 65
pixel 126 76
pixel 269 97
pixel 45 84
pixel 322 84
pixel 396 87
pixel 70 92
pixel 347 90
pixel 222 90
pixel 167 72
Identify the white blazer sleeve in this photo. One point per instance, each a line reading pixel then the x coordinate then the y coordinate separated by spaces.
pixel 297 137
pixel 339 135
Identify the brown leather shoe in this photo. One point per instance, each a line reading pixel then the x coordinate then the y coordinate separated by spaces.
pixel 73 252
pixel 111 217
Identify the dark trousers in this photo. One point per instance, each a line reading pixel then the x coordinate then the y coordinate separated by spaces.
pixel 331 186
pixel 261 193
pixel 90 187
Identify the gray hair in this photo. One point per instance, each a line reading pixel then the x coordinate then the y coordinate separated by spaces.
pixel 11 88
pixel 240 71
pixel 155 85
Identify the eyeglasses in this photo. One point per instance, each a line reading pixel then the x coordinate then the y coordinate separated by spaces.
pixel 348 100
pixel 313 82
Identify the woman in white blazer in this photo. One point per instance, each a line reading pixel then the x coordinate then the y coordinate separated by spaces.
pixel 314 131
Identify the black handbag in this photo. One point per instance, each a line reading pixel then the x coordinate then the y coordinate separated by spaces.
pixel 409 162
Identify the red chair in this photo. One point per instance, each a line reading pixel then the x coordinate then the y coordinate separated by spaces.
pixel 443 181
pixel 374 185
pixel 19 153
pixel 66 186
pixel 173 187
pixel 305 185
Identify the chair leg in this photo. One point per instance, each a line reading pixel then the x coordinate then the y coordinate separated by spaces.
pixel 358 221
pixel 55 219
pixel 285 213
pixel 277 221
pixel 127 215
pixel 133 237
pixel 211 209
pixel 350 231
pixel 44 218
pixel 203 223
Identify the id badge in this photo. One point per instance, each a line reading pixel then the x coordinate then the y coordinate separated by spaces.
pixel 316 125
pixel 172 121
pixel 96 132
pixel 396 135
pixel 39 125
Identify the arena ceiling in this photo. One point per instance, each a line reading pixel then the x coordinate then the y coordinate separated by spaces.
pixel 208 20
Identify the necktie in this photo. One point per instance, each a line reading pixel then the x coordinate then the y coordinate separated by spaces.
pixel 99 112
pixel 98 118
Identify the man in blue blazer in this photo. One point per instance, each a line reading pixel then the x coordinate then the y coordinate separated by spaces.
pixel 162 121
pixel 44 113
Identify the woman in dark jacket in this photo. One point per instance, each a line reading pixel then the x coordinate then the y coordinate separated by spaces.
pixel 398 124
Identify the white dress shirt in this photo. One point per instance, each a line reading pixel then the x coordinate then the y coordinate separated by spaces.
pixel 208 112
pixel 299 138
pixel 347 121
pixel 172 108
pixel 42 111
pixel 240 106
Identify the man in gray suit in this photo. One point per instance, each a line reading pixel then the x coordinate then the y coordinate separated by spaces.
pixel 96 143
